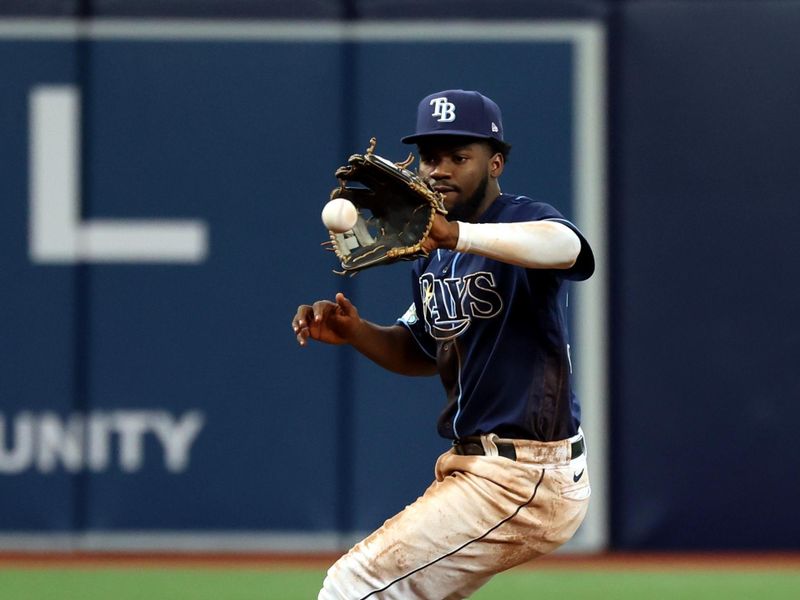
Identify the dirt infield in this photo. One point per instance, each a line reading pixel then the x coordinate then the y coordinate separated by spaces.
pixel 608 561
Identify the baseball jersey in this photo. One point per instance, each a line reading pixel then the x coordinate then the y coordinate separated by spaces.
pixel 499 335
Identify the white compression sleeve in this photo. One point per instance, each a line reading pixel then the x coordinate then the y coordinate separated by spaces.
pixel 530 244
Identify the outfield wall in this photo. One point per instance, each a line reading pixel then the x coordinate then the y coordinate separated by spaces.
pixel 163 167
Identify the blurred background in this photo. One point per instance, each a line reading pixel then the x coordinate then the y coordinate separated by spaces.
pixel 163 165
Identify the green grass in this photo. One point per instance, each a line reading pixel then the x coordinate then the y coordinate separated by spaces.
pixel 643 585
pixel 296 584
pixel 159 584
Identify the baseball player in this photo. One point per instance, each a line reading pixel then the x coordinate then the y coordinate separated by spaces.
pixel 488 316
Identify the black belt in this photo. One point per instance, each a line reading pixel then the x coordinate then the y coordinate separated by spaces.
pixel 471 446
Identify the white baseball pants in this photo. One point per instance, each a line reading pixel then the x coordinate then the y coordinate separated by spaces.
pixel 482 515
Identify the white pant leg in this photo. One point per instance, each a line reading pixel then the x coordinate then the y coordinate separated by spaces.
pixel 481 516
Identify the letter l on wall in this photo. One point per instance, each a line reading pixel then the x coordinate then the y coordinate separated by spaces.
pixel 56 232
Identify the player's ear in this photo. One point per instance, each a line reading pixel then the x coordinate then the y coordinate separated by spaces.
pixel 496 165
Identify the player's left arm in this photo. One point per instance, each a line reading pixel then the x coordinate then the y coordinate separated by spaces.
pixel 531 244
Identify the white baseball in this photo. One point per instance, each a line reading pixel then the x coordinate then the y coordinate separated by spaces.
pixel 339 215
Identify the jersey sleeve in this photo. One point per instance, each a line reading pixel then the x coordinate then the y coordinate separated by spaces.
pixel 584 264
pixel 529 210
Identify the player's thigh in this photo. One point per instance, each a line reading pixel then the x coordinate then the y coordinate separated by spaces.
pixel 464 529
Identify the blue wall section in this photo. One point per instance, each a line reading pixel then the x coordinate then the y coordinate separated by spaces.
pixel 37 343
pixel 245 136
pixel 202 129
pixel 705 150
pixel 181 130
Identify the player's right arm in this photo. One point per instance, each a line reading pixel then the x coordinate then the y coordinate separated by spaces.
pixel 392 347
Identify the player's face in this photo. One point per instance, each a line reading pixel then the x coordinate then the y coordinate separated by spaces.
pixel 464 172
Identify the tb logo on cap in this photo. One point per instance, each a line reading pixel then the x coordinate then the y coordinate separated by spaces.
pixel 446 111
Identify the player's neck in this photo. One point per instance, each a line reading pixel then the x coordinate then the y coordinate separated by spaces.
pixel 492 193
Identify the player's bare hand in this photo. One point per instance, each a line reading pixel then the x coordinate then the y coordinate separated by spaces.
pixel 326 321
pixel 444 234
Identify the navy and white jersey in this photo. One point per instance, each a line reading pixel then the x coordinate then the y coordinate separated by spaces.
pixel 499 335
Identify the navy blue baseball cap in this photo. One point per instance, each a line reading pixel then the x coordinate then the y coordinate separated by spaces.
pixel 457 112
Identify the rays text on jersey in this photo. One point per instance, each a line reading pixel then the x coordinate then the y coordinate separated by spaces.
pixel 450 303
